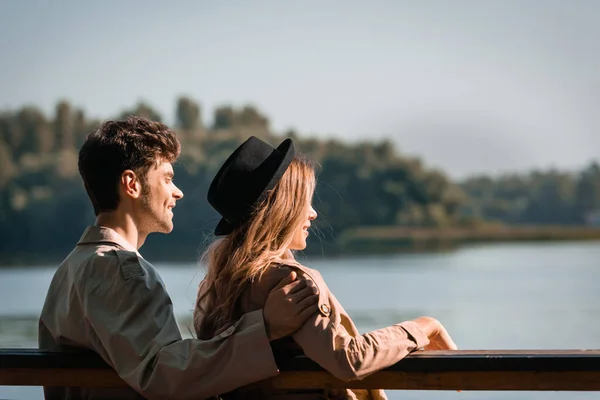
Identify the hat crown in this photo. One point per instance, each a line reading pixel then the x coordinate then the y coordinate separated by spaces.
pixel 244 179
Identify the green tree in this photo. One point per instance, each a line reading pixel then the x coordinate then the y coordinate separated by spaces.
pixel 64 126
pixel 587 194
pixel 188 114
pixel 11 133
pixel 34 127
pixel 7 167
pixel 551 200
pixel 142 110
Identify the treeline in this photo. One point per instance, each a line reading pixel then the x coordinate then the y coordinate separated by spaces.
pixel 44 208
pixel 540 198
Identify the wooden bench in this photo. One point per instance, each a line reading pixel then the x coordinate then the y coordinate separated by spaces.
pixel 564 370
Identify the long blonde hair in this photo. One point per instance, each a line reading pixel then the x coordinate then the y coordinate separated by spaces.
pixel 244 255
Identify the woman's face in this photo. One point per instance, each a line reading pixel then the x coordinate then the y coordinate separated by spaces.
pixel 301 231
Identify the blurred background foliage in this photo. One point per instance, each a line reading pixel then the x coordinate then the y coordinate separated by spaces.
pixel 44 208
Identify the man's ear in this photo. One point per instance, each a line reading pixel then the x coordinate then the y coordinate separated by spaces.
pixel 131 184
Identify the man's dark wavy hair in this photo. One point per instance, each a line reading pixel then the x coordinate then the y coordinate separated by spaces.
pixel 135 143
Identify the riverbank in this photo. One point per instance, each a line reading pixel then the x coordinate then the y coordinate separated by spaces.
pixel 398 239
pixel 365 241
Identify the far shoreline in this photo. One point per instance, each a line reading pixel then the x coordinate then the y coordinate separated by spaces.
pixel 373 241
pixel 411 239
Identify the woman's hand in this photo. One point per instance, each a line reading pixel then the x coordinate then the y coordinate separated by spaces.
pixel 439 338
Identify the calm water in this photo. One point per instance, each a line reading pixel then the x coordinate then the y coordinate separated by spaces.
pixel 502 296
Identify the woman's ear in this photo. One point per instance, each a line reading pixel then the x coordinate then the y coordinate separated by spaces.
pixel 131 185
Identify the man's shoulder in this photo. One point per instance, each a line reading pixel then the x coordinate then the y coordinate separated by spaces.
pixel 109 263
pixel 93 260
pixel 131 265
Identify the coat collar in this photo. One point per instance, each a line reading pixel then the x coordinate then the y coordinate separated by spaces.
pixel 100 234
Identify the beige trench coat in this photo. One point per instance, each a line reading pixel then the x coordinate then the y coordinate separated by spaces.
pixel 106 297
pixel 332 340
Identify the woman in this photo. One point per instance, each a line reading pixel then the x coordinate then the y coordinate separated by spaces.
pixel 264 197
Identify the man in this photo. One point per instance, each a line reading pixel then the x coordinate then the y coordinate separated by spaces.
pixel 106 297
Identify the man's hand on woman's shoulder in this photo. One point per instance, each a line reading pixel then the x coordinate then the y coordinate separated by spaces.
pixel 289 305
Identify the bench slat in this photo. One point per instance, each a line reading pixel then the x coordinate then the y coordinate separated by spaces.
pixel 565 370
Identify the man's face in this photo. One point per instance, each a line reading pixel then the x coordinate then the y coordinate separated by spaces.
pixel 159 195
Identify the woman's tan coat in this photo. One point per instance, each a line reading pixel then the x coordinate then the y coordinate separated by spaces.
pixel 331 339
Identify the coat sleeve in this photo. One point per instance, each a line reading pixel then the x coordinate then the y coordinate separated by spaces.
pixel 132 326
pixel 325 339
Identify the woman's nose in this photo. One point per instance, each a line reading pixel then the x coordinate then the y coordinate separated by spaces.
pixel 312 214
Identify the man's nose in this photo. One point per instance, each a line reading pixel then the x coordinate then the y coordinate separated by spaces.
pixel 178 194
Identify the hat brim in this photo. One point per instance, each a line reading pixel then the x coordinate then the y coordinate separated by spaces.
pixel 223 228
pixel 287 149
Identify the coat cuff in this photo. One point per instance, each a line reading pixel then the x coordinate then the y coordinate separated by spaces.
pixel 415 333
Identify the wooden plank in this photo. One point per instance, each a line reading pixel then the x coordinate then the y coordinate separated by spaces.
pixel 60 377
pixel 484 381
pixel 390 380
pixel 35 358
pixel 476 360
pixel 421 361
pixel 572 370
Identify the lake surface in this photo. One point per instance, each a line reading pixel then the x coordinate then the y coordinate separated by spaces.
pixel 499 296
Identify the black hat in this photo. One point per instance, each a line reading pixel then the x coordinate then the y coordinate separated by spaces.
pixel 253 169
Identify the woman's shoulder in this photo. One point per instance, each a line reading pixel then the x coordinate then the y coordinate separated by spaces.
pixel 275 273
pixel 313 274
pixel 316 277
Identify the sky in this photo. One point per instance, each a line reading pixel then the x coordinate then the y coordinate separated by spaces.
pixel 469 86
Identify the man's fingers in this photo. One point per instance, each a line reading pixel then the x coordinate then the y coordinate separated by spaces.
pixel 308 300
pixel 296 286
pixel 308 283
pixel 291 277
pixel 310 310
pixel 296 289
pixel 305 292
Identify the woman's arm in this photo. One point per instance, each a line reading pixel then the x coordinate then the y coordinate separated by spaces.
pixel 331 339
